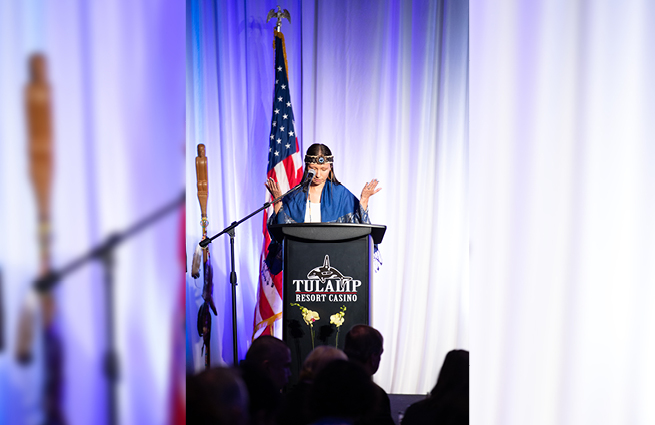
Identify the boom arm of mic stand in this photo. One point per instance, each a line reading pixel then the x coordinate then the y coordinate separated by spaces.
pixel 203 243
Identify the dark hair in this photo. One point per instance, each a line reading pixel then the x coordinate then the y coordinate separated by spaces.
pixel 448 403
pixel 362 341
pixel 264 348
pixel 343 390
pixel 265 399
pixel 454 373
pixel 320 149
pixel 216 396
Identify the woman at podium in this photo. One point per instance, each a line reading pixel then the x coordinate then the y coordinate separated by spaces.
pixel 325 199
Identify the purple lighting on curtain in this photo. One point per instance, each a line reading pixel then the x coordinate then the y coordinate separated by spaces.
pixel 117 78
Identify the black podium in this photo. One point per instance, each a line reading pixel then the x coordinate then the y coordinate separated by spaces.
pixel 327 274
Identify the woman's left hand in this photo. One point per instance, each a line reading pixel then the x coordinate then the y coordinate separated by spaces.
pixel 368 191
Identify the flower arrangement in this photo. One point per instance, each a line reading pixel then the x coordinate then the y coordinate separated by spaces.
pixel 309 316
pixel 337 319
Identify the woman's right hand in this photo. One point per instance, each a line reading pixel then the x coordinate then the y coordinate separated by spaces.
pixel 274 190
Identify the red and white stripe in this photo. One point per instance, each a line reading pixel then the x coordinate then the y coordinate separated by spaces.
pixel 268 311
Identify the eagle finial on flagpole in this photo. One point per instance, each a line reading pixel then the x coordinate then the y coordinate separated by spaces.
pixel 279 15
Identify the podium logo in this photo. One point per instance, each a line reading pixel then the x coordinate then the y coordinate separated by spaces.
pixel 326 272
pixel 326 283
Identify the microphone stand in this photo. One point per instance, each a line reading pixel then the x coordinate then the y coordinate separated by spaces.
pixel 233 275
pixel 105 253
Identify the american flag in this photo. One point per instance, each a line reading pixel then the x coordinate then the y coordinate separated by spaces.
pixel 285 167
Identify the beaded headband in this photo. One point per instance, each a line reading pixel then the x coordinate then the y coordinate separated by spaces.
pixel 319 159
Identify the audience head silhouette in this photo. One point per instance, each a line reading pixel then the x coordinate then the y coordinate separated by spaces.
pixel 273 357
pixel 341 390
pixel 454 373
pixel 320 357
pixel 448 403
pixel 216 396
pixel 363 345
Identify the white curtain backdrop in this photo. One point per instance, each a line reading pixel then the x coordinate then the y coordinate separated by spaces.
pixel 385 86
pixel 562 102
pixel 117 77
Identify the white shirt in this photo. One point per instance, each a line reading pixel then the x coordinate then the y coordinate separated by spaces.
pixel 313 212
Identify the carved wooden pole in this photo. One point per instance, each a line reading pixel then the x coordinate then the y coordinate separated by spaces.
pixel 204 317
pixel 203 191
pixel 39 120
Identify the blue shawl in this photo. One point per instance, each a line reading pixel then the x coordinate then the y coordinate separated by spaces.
pixel 338 205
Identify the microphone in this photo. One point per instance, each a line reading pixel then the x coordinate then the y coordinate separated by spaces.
pixel 310 176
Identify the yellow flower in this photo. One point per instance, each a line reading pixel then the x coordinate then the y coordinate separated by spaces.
pixel 310 316
pixel 337 319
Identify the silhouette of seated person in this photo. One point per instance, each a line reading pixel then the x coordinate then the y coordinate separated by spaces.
pixel 265 397
pixel 296 409
pixel 272 356
pixel 364 346
pixel 216 396
pixel 448 402
pixel 265 371
pixel 341 394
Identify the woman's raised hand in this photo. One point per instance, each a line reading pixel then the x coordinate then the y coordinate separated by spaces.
pixel 370 189
pixel 274 190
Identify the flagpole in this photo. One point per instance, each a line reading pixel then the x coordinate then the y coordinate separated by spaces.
pixel 271 14
pixel 284 167
pixel 230 230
